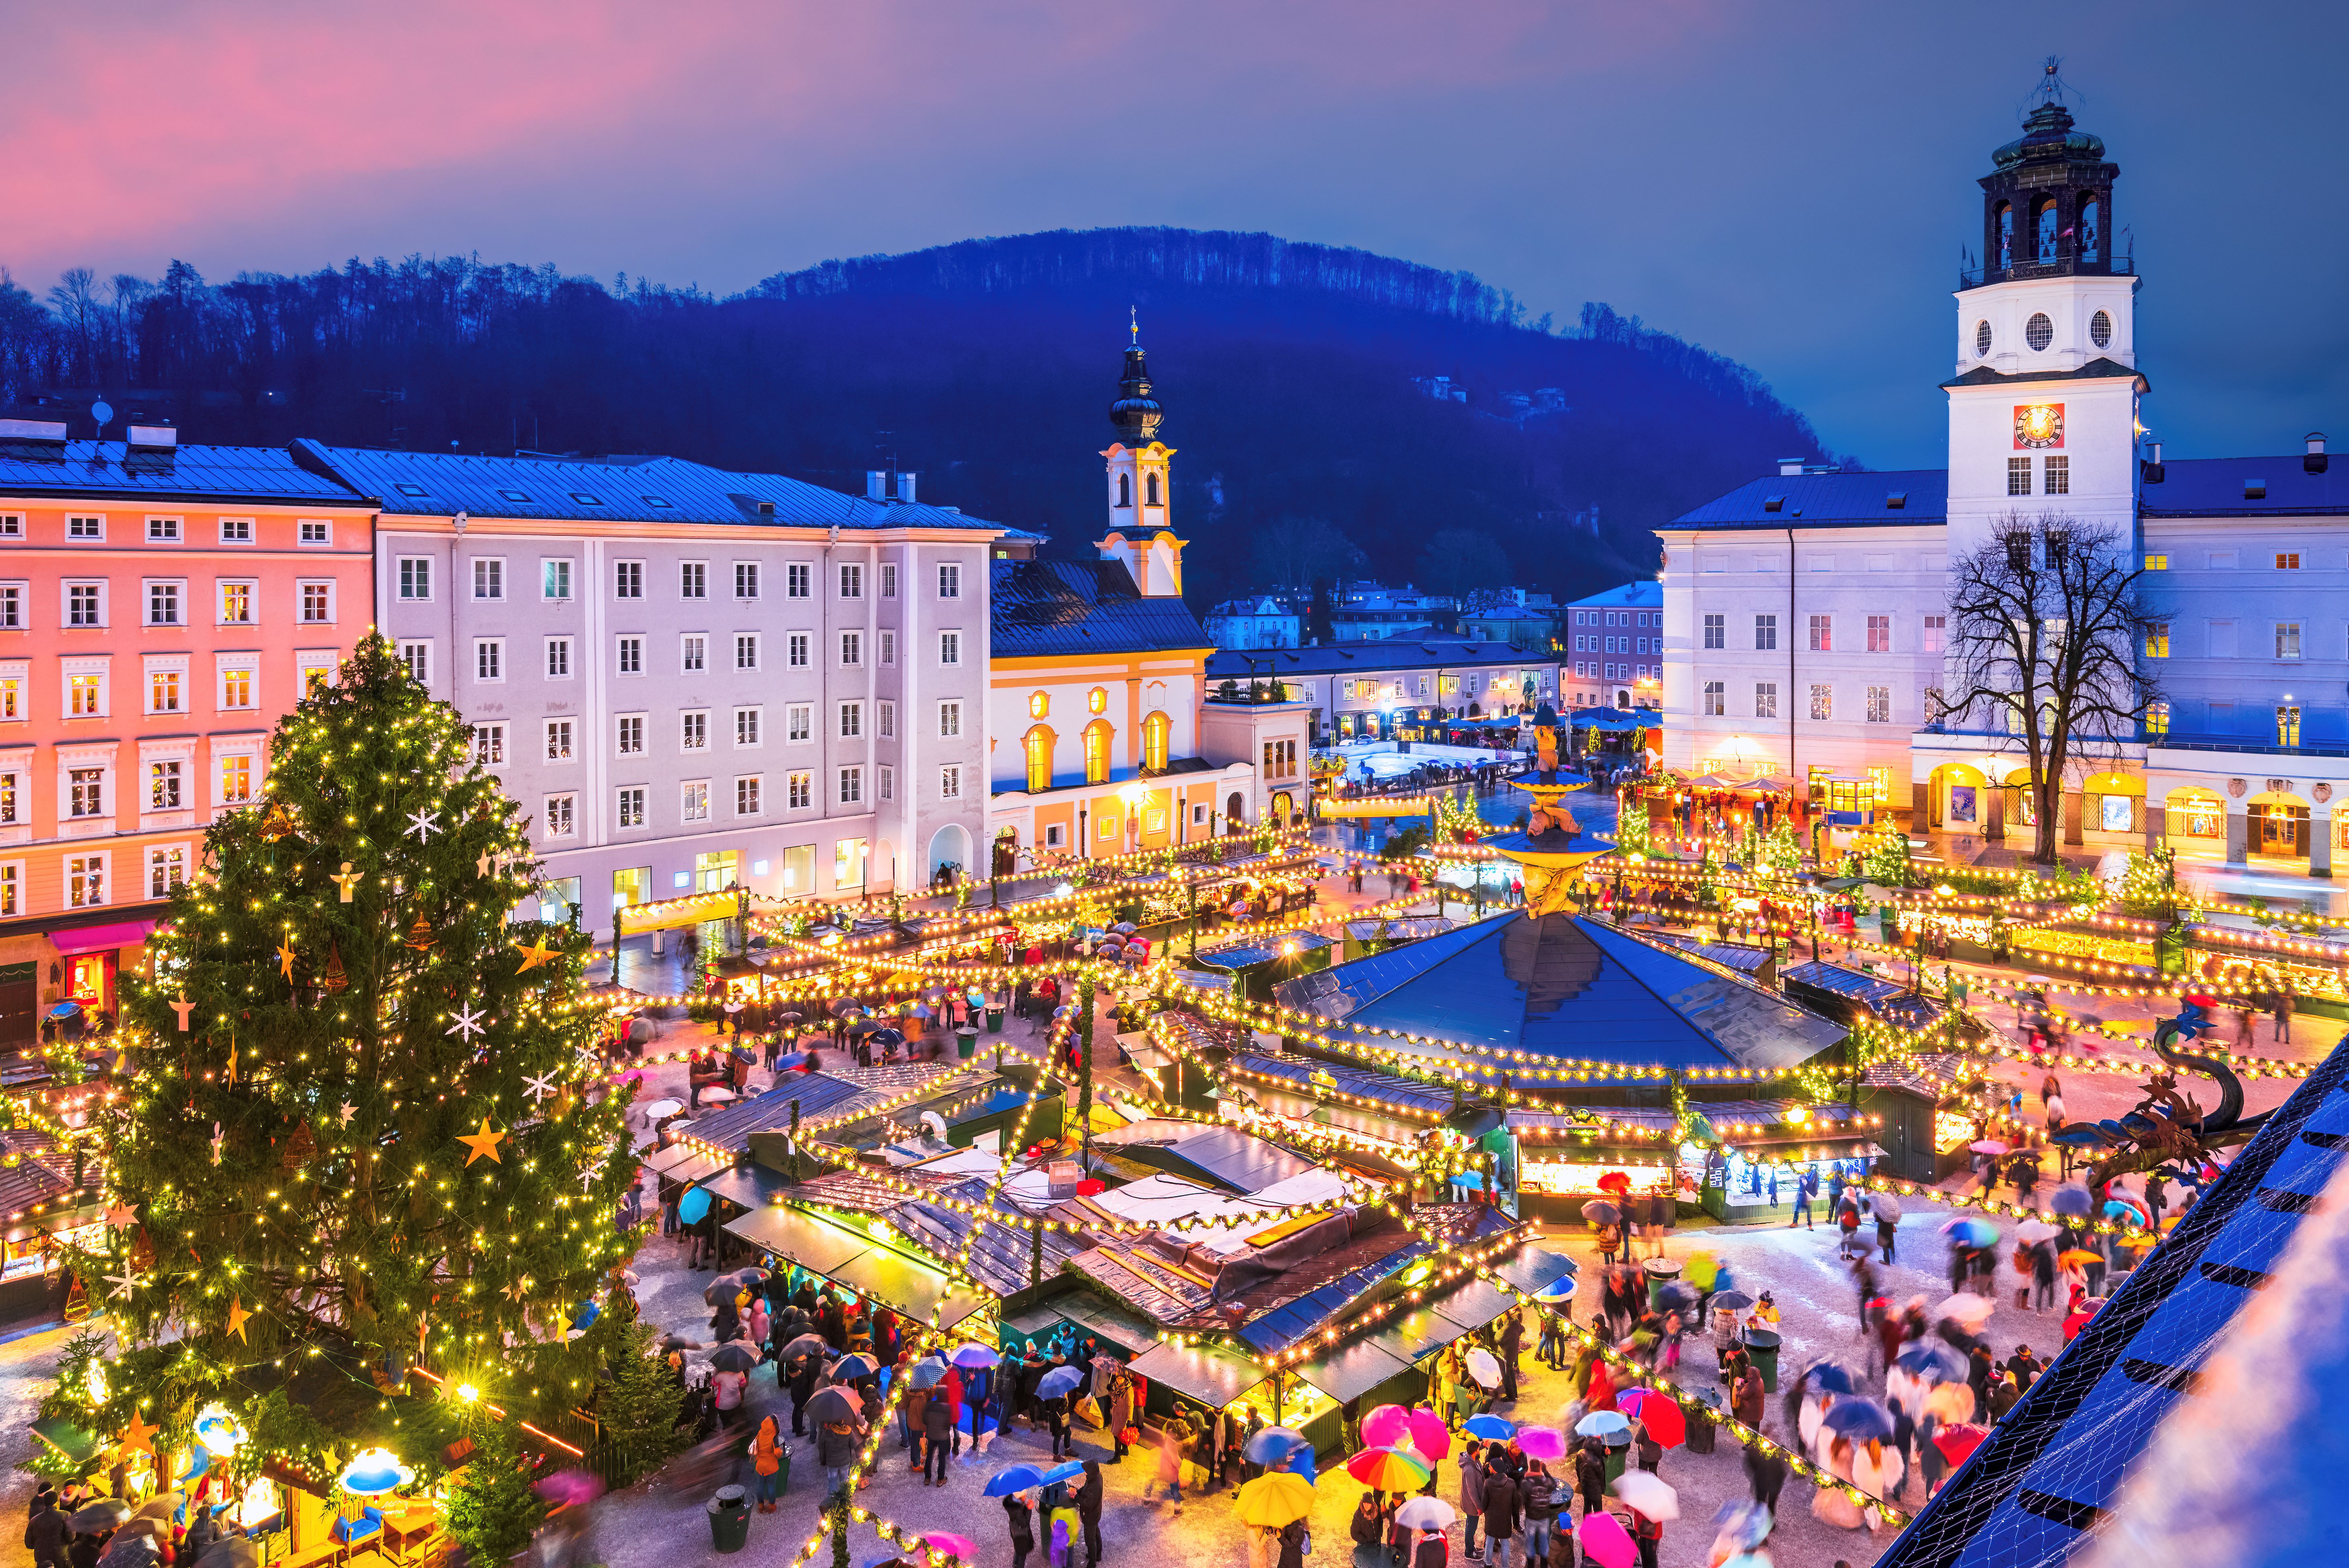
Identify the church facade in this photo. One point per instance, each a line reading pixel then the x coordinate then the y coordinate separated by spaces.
pixel 1807 621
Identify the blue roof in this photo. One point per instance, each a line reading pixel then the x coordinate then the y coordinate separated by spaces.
pixel 2048 1475
pixel 1369 656
pixel 35 468
pixel 626 489
pixel 1645 594
pixel 1827 500
pixel 1056 607
pixel 2213 487
pixel 1564 987
pixel 819 1095
pixel 1261 949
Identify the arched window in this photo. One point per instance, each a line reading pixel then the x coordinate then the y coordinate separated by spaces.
pixel 2005 220
pixel 1157 731
pixel 1126 490
pixel 1097 700
pixel 1098 737
pixel 1038 745
pixel 1153 487
pixel 2092 229
pixel 2044 217
pixel 1039 705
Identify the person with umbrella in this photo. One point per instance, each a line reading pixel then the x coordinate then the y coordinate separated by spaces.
pixel 1539 1495
pixel 729 1375
pixel 1020 1519
pixel 1885 1209
pixel 1503 1508
pixel 937 1432
pixel 1472 1496
pixel 950 1389
pixel 1172 1439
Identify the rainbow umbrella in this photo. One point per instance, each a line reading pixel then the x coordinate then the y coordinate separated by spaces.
pixel 1389 1469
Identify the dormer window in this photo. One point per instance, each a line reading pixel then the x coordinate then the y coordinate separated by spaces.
pixel 409 490
pixel 583 499
pixel 2255 489
pixel 513 495
pixel 1774 503
pixel 1897 501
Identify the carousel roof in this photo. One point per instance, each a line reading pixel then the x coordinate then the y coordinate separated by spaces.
pixel 1562 985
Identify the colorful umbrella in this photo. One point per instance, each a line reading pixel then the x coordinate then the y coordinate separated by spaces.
pixel 570 1487
pixel 1744 1526
pixel 1950 1403
pixel 1427 1514
pixel 961 1546
pixel 1605 1540
pixel 1987 1146
pixel 1069 1471
pixel 1490 1428
pixel 1642 1490
pixel 1018 1478
pixel 1599 1211
pixel 849 1368
pixel 1657 1411
pixel 1617 1183
pixel 1968 1308
pixel 1831 1377
pixel 1274 1499
pixel 1544 1444
pixel 1389 1469
pixel 1431 1439
pixel 1958 1442
pixel 1970 1230
pixel 1700 1269
pixel 1385 1424
pixel 1058 1381
pixel 2082 1256
pixel 1932 1361
pixel 2075 1200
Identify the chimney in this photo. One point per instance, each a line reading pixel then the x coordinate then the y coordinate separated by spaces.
pixel 876 484
pixel 2314 462
pixel 2153 470
pixel 1789 466
pixel 163 438
pixel 905 487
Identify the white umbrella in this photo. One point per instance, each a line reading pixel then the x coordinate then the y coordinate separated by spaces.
pixel 1652 1497
pixel 1482 1367
pixel 2034 1231
pixel 661 1107
pixel 1427 1514
pixel 1968 1308
pixel 715 1096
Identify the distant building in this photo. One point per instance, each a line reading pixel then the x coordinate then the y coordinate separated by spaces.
pixel 1615 647
pixel 1258 622
pixel 1515 615
pixel 1441 389
pixel 1372 689
pixel 1368 609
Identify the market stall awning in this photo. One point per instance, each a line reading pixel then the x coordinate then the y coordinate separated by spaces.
pixel 1126 1330
pixel 99 938
pixel 915 1289
pixel 1416 1336
pixel 661 1162
pixel 1534 1270
pixel 61 1435
pixel 1264 950
pixel 810 1242
pixel 752 1186
pixel 1352 1371
pixel 1207 1374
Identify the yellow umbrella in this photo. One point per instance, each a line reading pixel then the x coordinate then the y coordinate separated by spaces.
pixel 1275 1499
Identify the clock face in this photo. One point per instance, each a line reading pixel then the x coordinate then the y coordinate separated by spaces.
pixel 2038 426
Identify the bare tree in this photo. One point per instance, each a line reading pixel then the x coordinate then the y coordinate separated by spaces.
pixel 2045 623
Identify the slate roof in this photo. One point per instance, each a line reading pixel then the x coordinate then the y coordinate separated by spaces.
pixel 1368 657
pixel 165 474
pixel 1562 986
pixel 1052 607
pixel 2213 487
pixel 1827 500
pixel 2042 1486
pixel 2098 369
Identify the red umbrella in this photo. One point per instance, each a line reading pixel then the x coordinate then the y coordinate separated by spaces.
pixel 1958 1442
pixel 1615 1182
pixel 1658 1411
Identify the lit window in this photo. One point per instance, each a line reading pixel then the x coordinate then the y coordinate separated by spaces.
pixel 490 745
pixel 164 691
pixel 163 786
pixel 1097 700
pixel 1716 700
pixel 748 797
pixel 694 801
pixel 562 818
pixel 236 604
pixel 1098 736
pixel 558 740
pixel 802 790
pixel 237 687
pixel 86 881
pixel 85 696
pixel 2156 639
pixel 86 792
pixel 1880 634
pixel 1039 705
pixel 165 869
pixel 1822 702
pixel 632 807
pixel 949 719
pixel 1157 731
pixel 1879 705
pixel 1038 745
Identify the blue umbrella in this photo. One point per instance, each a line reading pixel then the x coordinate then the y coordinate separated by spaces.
pixel 1018 1478
pixel 2075 1200
pixel 1971 1231
pixel 1272 1445
pixel 1858 1420
pixel 849 1368
pixel 1602 1424
pixel 1933 1361
pixel 1069 1471
pixel 693 1206
pixel 928 1374
pixel 1832 1378
pixel 1558 1289
pixel 1059 1380
pixel 1491 1427
pixel 790 1060
pixel 973 1355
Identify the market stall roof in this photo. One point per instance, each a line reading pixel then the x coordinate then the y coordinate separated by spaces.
pixel 1212 982
pixel 62 1437
pixel 1088 1313
pixel 1728 955
pixel 806 1241
pixel 1932 1074
pixel 1352 1371
pixel 1248 954
pixel 1222 1155
pixel 1402 928
pixel 1310 1297
pixel 1561 985
pixel 1208 1374
pixel 1832 986
pixel 820 1096
pixel 752 1186
pixel 1534 1270
pixel 860 1263
pixel 1309 1075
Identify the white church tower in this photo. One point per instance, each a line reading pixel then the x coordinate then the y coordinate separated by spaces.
pixel 2043 405
pixel 1140 486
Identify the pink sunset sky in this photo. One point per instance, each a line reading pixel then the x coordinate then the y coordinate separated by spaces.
pixel 1787 184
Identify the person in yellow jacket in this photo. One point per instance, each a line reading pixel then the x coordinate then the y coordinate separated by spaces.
pixel 768 1457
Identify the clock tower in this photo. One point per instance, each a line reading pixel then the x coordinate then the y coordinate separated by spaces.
pixel 2043 405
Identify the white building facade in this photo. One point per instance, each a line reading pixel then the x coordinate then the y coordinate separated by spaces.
pixel 1615 648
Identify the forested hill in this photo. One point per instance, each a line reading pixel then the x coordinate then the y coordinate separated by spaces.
pixel 1296 379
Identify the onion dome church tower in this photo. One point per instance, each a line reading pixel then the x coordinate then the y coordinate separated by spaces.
pixel 1141 485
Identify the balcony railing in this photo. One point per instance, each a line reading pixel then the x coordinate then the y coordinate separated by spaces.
pixel 2064 263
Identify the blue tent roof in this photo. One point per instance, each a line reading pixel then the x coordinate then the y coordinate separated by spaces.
pixel 1566 988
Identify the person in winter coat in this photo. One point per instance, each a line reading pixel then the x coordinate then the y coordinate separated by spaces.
pixel 1090 1498
pixel 1056 1417
pixel 937 1428
pixel 1591 1475
pixel 949 1388
pixel 1434 1551
pixel 1292 1545
pixel 1172 1439
pixel 1503 1511
pixel 1369 1525
pixel 1541 1495
pixel 1765 1474
pixel 1651 1453
pixel 767 1454
pixel 1748 1402
pixel 46 1534
pixel 835 1451
pixel 1472 1498
pixel 1600 1395
pixel 1120 1411
pixel 1022 1520
pixel 1649 1534
pixel 1513 1346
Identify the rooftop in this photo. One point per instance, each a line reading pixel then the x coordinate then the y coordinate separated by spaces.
pixel 1828 500
pixel 1361 658
pixel 1647 593
pixel 2224 487
pixel 1044 608
pixel 36 468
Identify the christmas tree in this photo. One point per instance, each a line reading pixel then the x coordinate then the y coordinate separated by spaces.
pixel 355 1142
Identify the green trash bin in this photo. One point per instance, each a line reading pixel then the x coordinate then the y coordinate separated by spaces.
pixel 1619 1454
pixel 1762 1344
pixel 994 1020
pixel 966 1042
pixel 730 1519
pixel 1701 1428
pixel 1660 1272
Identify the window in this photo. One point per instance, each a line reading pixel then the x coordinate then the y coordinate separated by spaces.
pixel 11 525
pixel 558 658
pixel 632 806
pixel 801 786
pixel 86 792
pixel 1880 634
pixel 415 577
pixel 554 580
pixel 91 528
pixel 1765 633
pixel 848 862
pixel 317 603
pixel 749 795
pixel 2287 727
pixel 885 720
pixel 313 530
pixel 851 720
pixel 2157 563
pixel 167 868
pixel 950 783
pixel 235 781
pixel 1766 699
pixel 162 530
pixel 746 650
pixel 693 654
pixel 163 603
pixel 949 719
pixel 852 582
pixel 796 578
pixel 1716 631
pixel 1037 747
pixel 558 740
pixel 888 579
pixel 236 604
pixel 85 696
pixel 86 881
pixel 1935 627
pixel 490 745
pixel 796 650
pixel 488 579
pixel 1822 702
pixel 1097 699
pixel 693 731
pixel 1822 633
pixel 2018 476
pixel 1879 705
pixel 163 786
pixel 949 648
pixel 2222 639
pixel 489 659
pixel 746 726
pixel 2157 720
pixel 2156 639
pixel 236 530
pixel 1715 701
pixel 2288 560
pixel 418 657
pixel 949 581
pixel 746 580
pixel 627 580
pixel 629 660
pixel 1098 736
pixel 852 786
pixel 693 802
pixel 889 647
pixel 12 606
pixel 852 649
pixel 1157 734
pixel 164 691
pixel 85 604
pixel 629 734
pixel 562 816
pixel 799 721
pixel 2057 478
pixel 2287 640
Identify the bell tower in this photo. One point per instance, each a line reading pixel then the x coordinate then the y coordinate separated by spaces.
pixel 2043 405
pixel 1141 485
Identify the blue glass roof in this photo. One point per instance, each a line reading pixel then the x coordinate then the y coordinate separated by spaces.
pixel 1563 986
